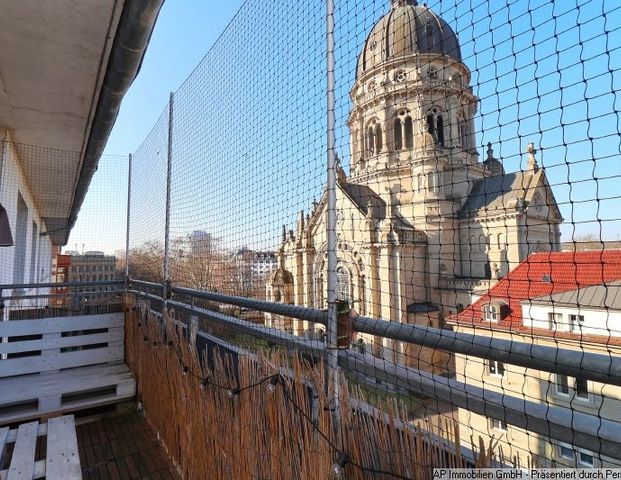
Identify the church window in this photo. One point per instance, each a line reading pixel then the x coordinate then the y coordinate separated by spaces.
pixel 431 126
pixel 408 132
pixel 440 130
pixel 435 126
pixel 378 138
pixel 432 73
pixel 277 296
pixel 398 138
pixel 343 284
pixel 501 241
pixel 371 140
pixel 400 76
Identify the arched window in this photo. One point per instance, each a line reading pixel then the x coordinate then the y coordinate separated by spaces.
pixel 501 241
pixel 435 126
pixel 398 138
pixel 343 284
pixel 440 130
pixel 371 140
pixel 482 243
pixel 408 132
pixel 431 125
pixel 378 139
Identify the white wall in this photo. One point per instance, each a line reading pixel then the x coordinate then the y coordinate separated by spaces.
pixel 596 321
pixel 12 181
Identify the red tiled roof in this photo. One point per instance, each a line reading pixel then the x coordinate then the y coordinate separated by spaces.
pixel 543 274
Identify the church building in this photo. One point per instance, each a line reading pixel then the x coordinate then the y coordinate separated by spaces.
pixel 421 222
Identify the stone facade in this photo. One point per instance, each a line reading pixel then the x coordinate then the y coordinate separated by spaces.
pixel 418 212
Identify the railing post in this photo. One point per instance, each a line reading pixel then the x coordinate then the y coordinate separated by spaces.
pixel 166 272
pixel 332 339
pixel 129 198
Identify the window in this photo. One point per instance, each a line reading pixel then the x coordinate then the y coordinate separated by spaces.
pixel 585 459
pixel 435 126
pixel 566 452
pixel 576 322
pixel 496 368
pixel 408 132
pixel 419 179
pixel 490 313
pixel 562 385
pixel 554 320
pixel 371 140
pixel 342 284
pixel 582 388
pixel 378 139
pixel 497 425
pixel 398 138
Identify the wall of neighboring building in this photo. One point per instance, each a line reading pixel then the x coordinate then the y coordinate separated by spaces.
pixel 33 255
pixel 596 321
pixel 603 401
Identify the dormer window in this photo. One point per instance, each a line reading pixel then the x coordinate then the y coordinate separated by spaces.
pixel 493 312
pixel 490 313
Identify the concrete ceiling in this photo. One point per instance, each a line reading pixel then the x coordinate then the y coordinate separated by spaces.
pixel 53 61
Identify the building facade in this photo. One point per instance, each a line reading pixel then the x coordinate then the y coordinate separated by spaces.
pixel 421 222
pixel 564 299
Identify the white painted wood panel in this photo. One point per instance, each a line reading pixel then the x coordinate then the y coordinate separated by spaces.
pixel 16 328
pixel 22 463
pixel 26 365
pixel 20 388
pixel 63 460
pixel 113 335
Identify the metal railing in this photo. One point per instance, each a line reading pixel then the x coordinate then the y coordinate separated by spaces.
pixel 584 430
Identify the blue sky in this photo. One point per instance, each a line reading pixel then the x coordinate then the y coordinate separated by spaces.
pixel 249 149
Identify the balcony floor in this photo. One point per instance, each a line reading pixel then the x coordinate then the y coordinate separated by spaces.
pixel 122 447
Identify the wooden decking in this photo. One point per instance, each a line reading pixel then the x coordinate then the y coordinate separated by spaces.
pixel 120 448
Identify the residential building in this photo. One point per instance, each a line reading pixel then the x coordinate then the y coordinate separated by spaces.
pixel 65 69
pixel 570 300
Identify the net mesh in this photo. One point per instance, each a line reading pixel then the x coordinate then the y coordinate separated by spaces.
pixel 477 148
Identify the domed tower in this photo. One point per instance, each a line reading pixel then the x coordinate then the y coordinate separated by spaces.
pixel 413 108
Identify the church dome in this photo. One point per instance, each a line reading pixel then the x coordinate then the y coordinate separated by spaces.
pixel 493 166
pixel 407 29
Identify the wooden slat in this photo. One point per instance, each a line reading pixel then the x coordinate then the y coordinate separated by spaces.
pixel 113 335
pixel 21 388
pixel 62 461
pixel 22 463
pixel 41 431
pixel 23 366
pixel 17 328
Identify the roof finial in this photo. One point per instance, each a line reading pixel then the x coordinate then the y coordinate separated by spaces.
pixel 490 151
pixel 402 3
pixel 532 161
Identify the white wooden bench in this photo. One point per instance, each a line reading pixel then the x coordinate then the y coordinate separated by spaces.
pixel 62 460
pixel 62 364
